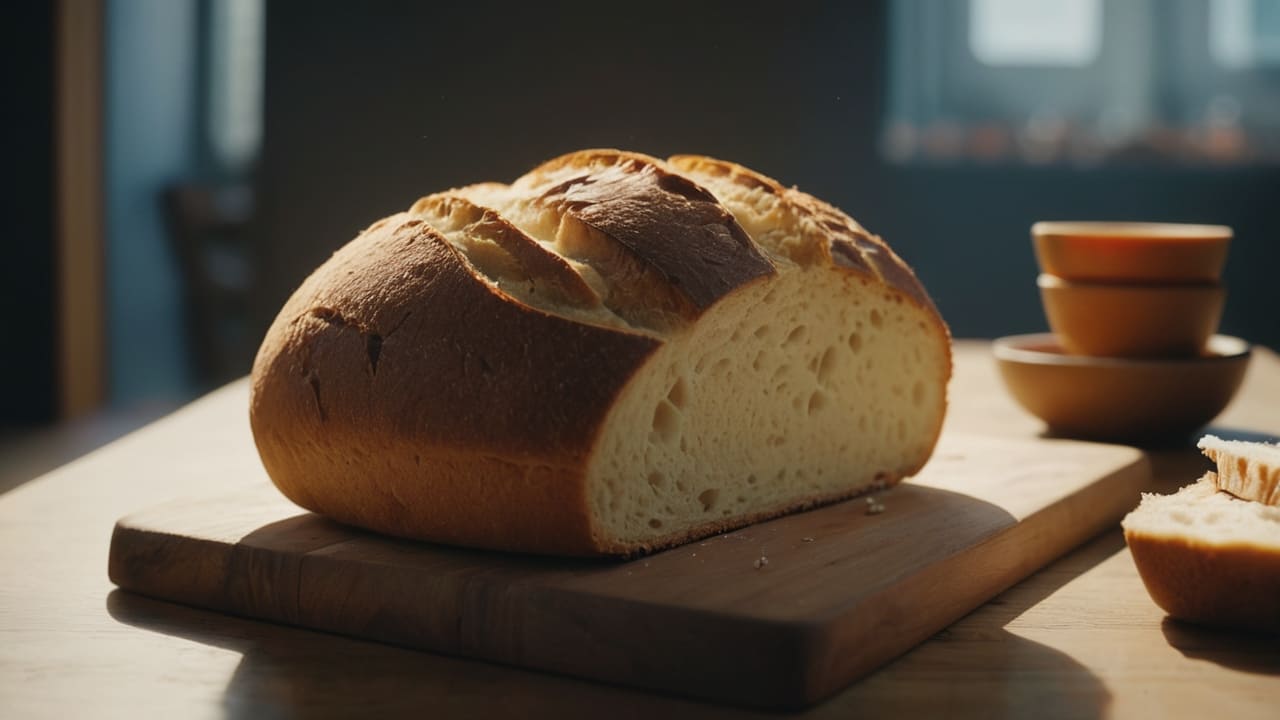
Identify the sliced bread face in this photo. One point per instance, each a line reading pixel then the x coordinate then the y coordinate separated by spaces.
pixel 611 355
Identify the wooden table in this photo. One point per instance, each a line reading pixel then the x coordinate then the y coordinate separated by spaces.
pixel 1081 638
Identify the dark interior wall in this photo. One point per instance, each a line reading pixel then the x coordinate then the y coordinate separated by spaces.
pixel 371 105
pixel 27 356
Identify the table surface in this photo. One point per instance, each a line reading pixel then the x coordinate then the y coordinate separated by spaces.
pixel 1081 638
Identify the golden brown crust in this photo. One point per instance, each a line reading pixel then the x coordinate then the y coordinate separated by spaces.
pixel 830 233
pixel 660 241
pixel 1226 585
pixel 366 388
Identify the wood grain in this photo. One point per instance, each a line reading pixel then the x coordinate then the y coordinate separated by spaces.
pixel 1077 639
pixel 780 614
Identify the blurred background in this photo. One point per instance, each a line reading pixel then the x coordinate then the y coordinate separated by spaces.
pixel 178 166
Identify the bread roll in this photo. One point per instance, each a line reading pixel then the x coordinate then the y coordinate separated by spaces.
pixel 610 355
pixel 1208 557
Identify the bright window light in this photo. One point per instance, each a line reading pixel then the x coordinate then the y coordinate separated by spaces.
pixel 1035 32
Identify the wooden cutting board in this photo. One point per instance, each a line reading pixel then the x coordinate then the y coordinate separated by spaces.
pixel 780 614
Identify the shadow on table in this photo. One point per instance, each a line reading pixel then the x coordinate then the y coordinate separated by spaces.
pixel 1251 652
pixel 969 670
pixel 289 672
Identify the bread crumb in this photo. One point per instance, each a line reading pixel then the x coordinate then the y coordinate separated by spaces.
pixel 874 506
pixel 806 539
pixel 761 562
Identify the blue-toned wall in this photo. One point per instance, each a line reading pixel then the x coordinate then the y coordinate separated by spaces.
pixel 150 139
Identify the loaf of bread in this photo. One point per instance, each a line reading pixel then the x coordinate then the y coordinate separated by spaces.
pixel 610 355
pixel 1206 555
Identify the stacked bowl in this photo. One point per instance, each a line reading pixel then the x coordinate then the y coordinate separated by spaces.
pixel 1133 308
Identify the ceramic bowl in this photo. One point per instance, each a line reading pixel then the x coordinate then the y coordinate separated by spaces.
pixel 1131 252
pixel 1109 320
pixel 1120 399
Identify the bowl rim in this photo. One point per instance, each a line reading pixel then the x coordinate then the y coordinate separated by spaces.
pixel 1025 349
pixel 1130 230
pixel 1049 281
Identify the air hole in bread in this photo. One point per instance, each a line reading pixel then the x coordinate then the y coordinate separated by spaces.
pixel 657 480
pixel 877 320
pixel 708 499
pixel 855 342
pixel 782 371
pixel 817 401
pixel 796 336
pixel 666 422
pixel 679 392
pixel 827 366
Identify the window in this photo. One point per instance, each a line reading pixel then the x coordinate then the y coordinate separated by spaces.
pixel 1084 82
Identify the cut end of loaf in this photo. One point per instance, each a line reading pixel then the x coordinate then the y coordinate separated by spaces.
pixel 814 388
pixel 1201 514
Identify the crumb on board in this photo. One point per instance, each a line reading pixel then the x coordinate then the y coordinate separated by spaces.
pixel 806 539
pixel 761 562
pixel 874 506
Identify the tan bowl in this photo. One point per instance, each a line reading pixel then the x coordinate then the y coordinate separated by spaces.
pixel 1118 399
pixel 1131 320
pixel 1131 252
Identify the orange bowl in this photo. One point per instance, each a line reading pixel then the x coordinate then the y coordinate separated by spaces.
pixel 1120 399
pixel 1131 252
pixel 1131 320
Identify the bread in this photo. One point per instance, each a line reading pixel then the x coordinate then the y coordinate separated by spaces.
pixel 610 355
pixel 1248 470
pixel 1210 552
pixel 1209 557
